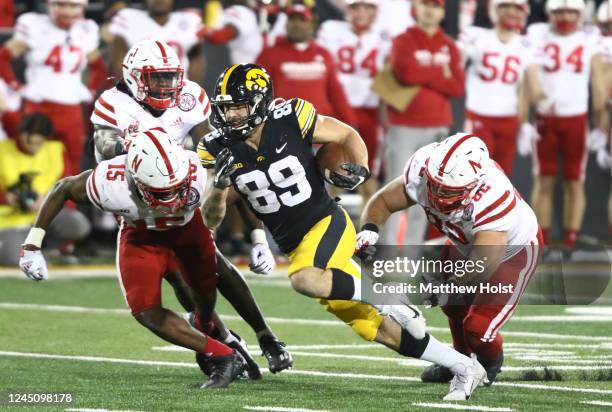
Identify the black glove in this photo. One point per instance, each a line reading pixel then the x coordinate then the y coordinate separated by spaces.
pixel 224 168
pixel 356 175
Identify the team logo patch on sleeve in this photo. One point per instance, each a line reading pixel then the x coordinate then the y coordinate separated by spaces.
pixel 193 197
pixel 186 102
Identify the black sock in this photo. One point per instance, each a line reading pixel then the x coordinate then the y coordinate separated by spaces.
pixel 343 286
pixel 414 348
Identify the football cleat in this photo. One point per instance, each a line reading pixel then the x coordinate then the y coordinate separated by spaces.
pixel 436 374
pixel 493 367
pixel 466 380
pixel 275 353
pixel 235 342
pixel 224 370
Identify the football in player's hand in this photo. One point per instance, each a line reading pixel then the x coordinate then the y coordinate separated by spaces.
pixel 330 158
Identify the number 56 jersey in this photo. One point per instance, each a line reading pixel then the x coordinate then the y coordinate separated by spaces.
pixel 496 206
pixel 280 180
pixel 110 190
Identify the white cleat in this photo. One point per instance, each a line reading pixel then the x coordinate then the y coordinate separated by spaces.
pixel 409 317
pixel 467 379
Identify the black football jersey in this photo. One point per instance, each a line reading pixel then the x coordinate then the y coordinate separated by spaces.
pixel 281 180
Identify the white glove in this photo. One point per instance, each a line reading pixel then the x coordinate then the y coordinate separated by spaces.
pixel 604 160
pixel 262 259
pixel 365 238
pixel 32 263
pixel 527 135
pixel 597 140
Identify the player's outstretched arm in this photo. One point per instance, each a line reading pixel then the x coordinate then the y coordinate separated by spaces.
pixel 390 199
pixel 32 261
pixel 213 209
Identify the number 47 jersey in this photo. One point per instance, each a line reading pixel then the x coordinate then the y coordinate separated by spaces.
pixel 280 180
pixel 110 190
pixel 497 206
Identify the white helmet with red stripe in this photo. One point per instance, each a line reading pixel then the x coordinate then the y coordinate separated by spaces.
pixel 510 21
pixel 455 170
pixel 362 18
pixel 64 13
pixel 153 73
pixel 565 26
pixel 159 168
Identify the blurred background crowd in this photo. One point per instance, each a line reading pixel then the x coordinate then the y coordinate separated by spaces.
pixel 531 78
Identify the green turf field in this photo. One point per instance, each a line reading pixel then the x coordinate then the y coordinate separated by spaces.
pixel 76 336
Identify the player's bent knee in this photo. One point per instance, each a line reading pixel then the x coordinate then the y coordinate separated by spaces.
pixel 149 318
pixel 307 282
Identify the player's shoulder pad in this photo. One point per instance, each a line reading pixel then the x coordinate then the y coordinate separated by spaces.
pixel 591 30
pixel 210 146
pixel 496 200
pixel 197 92
pixel 129 13
pixel 305 113
pixel 188 18
pixel 29 19
pixel 115 109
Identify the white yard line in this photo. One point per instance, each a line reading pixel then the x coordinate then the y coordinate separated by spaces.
pixel 460 407
pixel 97 410
pixel 291 372
pixel 597 403
pixel 563 318
pixel 281 409
pixel 290 321
pixel 589 310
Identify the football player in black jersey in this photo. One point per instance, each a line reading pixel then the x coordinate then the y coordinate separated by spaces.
pixel 264 150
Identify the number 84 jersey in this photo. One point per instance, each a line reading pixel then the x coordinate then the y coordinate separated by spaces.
pixel 280 180
pixel 496 206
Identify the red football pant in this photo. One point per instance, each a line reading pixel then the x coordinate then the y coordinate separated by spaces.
pixel 67 121
pixel 475 328
pixel 368 126
pixel 566 136
pixel 143 257
pixel 498 133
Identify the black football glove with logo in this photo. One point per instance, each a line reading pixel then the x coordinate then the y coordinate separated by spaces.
pixel 224 168
pixel 356 175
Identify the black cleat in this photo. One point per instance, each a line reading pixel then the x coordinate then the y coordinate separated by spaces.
pixel 436 374
pixel 493 367
pixel 224 370
pixel 277 356
pixel 239 345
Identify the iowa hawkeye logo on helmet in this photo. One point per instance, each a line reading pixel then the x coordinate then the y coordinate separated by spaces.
pixel 238 86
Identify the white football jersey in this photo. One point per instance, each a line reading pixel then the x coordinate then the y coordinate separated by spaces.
pixel 495 72
pixel 497 206
pixel 358 58
pixel 56 58
pixel 180 31
pixel 110 191
pixel 118 110
pixel 565 68
pixel 249 42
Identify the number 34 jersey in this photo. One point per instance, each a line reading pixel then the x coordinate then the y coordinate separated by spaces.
pixel 497 206
pixel 109 189
pixel 280 180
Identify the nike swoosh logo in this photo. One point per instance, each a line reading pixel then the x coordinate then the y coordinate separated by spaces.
pixel 280 149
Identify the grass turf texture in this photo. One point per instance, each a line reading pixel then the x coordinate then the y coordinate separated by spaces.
pixel 120 386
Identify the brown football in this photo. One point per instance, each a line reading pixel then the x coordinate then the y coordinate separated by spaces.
pixel 330 157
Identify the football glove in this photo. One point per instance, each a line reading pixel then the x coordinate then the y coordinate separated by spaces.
pixel 527 135
pixel 262 259
pixel 224 168
pixel 365 241
pixel 597 140
pixel 32 263
pixel 356 175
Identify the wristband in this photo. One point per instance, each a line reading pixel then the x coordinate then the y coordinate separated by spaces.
pixel 259 236
pixel 119 150
pixel 35 237
pixel 370 226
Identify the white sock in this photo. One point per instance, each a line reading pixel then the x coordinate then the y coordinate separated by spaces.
pixel 357 284
pixel 440 354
